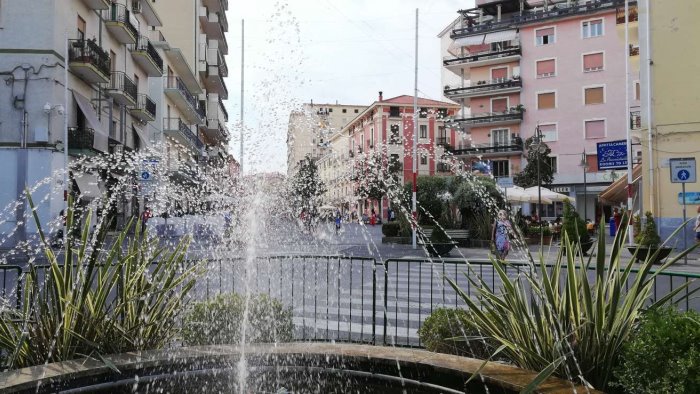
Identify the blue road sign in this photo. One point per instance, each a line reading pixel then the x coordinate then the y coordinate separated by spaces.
pixel 691 198
pixel 612 155
pixel 683 170
pixel 145 175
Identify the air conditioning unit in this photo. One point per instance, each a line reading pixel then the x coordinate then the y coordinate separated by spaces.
pixel 136 6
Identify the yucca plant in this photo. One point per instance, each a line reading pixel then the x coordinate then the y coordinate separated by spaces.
pixel 98 298
pixel 558 320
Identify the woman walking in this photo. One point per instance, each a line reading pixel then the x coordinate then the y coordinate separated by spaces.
pixel 500 235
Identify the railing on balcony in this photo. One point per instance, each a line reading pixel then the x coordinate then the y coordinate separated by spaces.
pixel 119 13
pixel 479 56
pixel 491 117
pixel 636 120
pixel 87 51
pixel 173 82
pixel 516 145
pixel 81 138
pixel 222 108
pixel 633 14
pixel 223 67
pixel 172 124
pixel 222 20
pixel 143 102
pixel 483 86
pixel 121 82
pixel 143 44
pixel 634 50
pixel 443 167
pixel 443 141
pixel 557 10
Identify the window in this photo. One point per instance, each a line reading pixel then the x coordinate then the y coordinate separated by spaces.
pixel 544 36
pixel 136 82
pixel 499 104
pixel 395 138
pixel 553 163
pixel 423 131
pixel 546 68
pixel 549 132
pixel 546 100
pixel 113 61
pixel 356 110
pixel 595 129
pixel 442 113
pixel 423 160
pixel 637 91
pixel 371 138
pixel 593 62
pixel 81 28
pixel 423 113
pixel 394 112
pixel 499 74
pixel 592 28
pixel 345 110
pixel 330 109
pixel 594 95
pixel 500 168
pixel 500 137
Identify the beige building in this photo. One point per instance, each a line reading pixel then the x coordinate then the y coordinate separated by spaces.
pixel 311 128
pixel 334 169
pixel 670 120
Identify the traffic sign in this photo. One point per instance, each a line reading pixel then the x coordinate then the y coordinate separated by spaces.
pixel 612 155
pixel 149 168
pixel 505 182
pixel 683 170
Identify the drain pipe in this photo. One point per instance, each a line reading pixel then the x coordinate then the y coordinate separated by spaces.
pixel 650 133
pixel 414 213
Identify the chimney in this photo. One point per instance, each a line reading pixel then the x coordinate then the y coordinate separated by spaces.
pixel 381 97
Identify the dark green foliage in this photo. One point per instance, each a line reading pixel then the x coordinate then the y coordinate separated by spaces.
pixel 535 231
pixel 475 199
pixel 448 331
pixel 391 229
pixel 438 236
pixel 430 206
pixel 648 236
pixel 663 355
pixel 218 321
pixel 405 228
pixel 573 225
pixel 528 176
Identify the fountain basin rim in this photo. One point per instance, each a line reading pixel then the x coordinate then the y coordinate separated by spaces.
pixel 497 374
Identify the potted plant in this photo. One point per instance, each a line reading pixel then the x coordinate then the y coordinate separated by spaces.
pixel 648 243
pixel 536 233
pixel 575 228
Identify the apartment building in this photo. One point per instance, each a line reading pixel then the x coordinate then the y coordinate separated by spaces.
pixel 311 127
pixel 669 116
pixel 334 169
pixel 102 73
pixel 556 66
pixel 385 129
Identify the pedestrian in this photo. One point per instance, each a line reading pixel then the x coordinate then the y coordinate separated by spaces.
pixel 144 218
pixel 500 235
pixel 337 222
pixel 618 219
pixel 57 241
pixel 373 218
pixel 697 228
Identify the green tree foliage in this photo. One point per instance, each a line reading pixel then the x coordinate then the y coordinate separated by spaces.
pixel 430 202
pixel 573 225
pixel 649 236
pixel 448 330
pixel 307 189
pixel 528 176
pixel 477 199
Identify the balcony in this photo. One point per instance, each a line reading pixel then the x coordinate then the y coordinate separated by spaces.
pixel 119 23
pixel 216 130
pixel 97 4
pixel 122 89
pixel 215 5
pixel 211 23
pixel 482 58
pixel 176 90
pixel 145 109
pixel 485 88
pixel 88 61
pixel 81 141
pixel 444 142
pixel 511 116
pixel 633 15
pixel 635 120
pixel 222 108
pixel 634 50
pixel 540 14
pixel 216 71
pixel 443 167
pixel 146 56
pixel 178 130
pixel 490 149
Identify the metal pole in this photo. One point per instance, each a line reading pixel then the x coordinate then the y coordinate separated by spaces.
pixel 630 232
pixel 650 144
pixel 685 227
pixel 240 171
pixel 415 140
pixel 538 137
pixel 65 133
pixel 585 188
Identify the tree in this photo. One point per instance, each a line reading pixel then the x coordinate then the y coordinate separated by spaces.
pixel 307 190
pixel 528 176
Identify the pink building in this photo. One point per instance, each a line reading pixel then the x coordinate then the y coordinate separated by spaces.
pixel 386 128
pixel 556 65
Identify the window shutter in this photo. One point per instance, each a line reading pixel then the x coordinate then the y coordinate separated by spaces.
pixel 499 73
pixel 545 68
pixel 545 100
pixel 545 32
pixel 593 61
pixel 594 96
pixel 595 129
pixel 499 105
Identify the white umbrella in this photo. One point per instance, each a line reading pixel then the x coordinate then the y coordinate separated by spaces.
pixel 550 195
pixel 518 194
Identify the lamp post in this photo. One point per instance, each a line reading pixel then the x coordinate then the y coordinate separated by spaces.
pixel 539 150
pixel 584 165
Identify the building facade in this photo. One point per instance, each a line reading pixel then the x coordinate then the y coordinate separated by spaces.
pixel 101 73
pixel 556 66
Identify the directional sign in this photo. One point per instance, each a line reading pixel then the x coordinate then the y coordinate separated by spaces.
pixel 505 182
pixel 612 155
pixel 683 170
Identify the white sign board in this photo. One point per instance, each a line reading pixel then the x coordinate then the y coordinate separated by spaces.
pixel 505 182
pixel 148 170
pixel 683 170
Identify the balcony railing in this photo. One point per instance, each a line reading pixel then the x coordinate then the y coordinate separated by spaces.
pixel 119 13
pixel 636 120
pixel 173 82
pixel 443 167
pixel 223 67
pixel 87 51
pixel 479 56
pixel 491 117
pixel 483 86
pixel 143 44
pixel 557 10
pixel 171 124
pixel 120 82
pixel 144 103
pixel 443 141
pixel 81 138
pixel 633 14
pixel 514 146
pixel 222 108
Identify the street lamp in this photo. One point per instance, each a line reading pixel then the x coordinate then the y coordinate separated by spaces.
pixel 540 149
pixel 584 165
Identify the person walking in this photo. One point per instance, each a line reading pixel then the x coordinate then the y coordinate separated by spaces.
pixel 697 227
pixel 337 222
pixel 618 219
pixel 144 218
pixel 500 235
pixel 373 218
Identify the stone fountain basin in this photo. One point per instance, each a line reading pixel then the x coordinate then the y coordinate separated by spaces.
pixel 298 367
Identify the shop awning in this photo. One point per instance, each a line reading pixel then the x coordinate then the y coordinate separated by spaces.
pixel 145 143
pixel 101 140
pixel 88 185
pixel 616 193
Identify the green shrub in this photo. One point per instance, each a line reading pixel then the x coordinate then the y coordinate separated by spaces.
pixel 648 236
pixel 391 229
pixel 663 355
pixel 447 330
pixel 439 235
pixel 573 225
pixel 218 321
pixel 534 231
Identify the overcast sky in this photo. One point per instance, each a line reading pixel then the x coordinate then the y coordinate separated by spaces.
pixel 325 51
